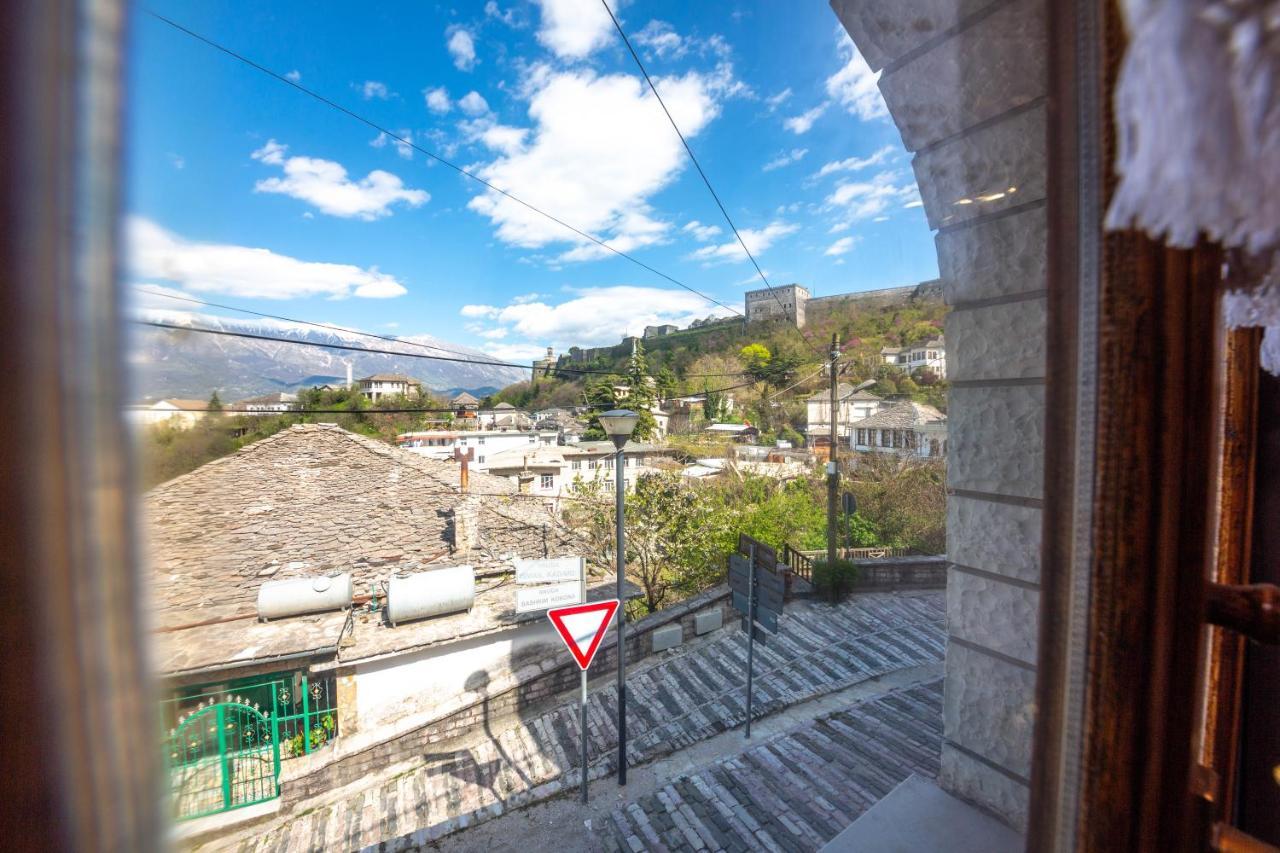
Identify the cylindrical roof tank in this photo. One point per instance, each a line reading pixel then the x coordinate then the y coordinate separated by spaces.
pixel 293 597
pixel 430 593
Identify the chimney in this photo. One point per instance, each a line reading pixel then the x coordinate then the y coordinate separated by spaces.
pixel 466 527
pixel 350 381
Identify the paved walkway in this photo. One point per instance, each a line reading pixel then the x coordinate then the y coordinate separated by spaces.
pixel 797 791
pixel 675 700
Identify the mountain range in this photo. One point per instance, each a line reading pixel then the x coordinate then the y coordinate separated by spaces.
pixel 190 364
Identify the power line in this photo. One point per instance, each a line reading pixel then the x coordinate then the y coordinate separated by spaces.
pixel 698 166
pixel 348 348
pixel 325 326
pixel 459 169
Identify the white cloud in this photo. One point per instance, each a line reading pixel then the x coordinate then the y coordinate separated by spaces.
pixel 594 156
pixel 510 17
pixel 515 352
pixel 473 104
pixel 785 158
pixel 841 247
pixel 855 164
pixel 324 184
pixel 245 272
pixel 594 316
pixel 758 240
pixel 859 200
pixel 462 47
pixel 701 232
pixel 573 29
pixel 804 121
pixel 854 86
pixel 662 39
pixel 371 89
pixel 775 101
pixel 437 100
pixel 503 138
pixel 494 334
pixel 295 75
pixel 177 161
pixel 403 148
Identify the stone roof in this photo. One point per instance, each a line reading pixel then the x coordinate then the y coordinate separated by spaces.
pixel 389 377
pixel 901 416
pixel 267 399
pixel 317 500
pixel 187 405
pixel 845 392
pixel 465 399
pixel 503 406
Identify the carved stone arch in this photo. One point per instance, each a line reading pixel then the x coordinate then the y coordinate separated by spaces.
pixel 966 81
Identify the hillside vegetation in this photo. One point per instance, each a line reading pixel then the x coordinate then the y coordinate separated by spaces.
pixel 771 367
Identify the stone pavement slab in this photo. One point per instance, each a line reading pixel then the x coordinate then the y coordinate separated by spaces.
pixel 675 700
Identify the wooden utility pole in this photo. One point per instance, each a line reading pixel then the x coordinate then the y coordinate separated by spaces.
pixel 833 464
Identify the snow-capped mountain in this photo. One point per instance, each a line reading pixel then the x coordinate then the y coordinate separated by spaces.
pixel 174 363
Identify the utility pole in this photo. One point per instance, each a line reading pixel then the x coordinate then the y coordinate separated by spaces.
pixel 833 466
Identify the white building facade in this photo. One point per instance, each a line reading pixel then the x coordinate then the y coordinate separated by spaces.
pixel 909 429
pixel 930 355
pixel 851 406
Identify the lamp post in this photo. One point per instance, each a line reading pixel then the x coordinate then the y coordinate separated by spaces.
pixel 619 424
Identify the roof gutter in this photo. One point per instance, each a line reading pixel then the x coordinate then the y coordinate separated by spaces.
pixel 223 667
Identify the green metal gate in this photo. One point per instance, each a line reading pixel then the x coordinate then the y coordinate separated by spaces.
pixel 225 742
pixel 223 755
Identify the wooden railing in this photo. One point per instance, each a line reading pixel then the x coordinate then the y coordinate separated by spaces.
pixel 801 565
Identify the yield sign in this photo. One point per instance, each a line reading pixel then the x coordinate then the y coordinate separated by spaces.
pixel 582 627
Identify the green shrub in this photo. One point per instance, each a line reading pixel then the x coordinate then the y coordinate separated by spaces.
pixel 834 580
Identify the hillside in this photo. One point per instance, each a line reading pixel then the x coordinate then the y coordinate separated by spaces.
pixel 864 325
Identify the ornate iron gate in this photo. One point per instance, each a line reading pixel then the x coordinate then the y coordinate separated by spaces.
pixel 223 755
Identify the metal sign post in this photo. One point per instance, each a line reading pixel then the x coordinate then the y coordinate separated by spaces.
pixel 582 627
pixel 751 631
pixel 757 590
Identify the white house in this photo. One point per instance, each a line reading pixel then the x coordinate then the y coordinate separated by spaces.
pixel 912 429
pixel 173 412
pixel 931 354
pixel 503 416
pixel 486 443
pixel 267 403
pixel 851 406
pixel 381 385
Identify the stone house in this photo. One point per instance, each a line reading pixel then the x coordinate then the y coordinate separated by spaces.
pixel 913 429
pixel 311 502
pixel 852 406
pixel 930 355
pixel 381 385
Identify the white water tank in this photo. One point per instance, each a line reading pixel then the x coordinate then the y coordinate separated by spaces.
pixel 293 597
pixel 432 593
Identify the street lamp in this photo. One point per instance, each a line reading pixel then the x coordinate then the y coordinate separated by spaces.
pixel 619 424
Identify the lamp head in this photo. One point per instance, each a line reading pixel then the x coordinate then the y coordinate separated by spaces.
pixel 618 424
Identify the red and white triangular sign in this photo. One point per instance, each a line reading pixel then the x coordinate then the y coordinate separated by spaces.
pixel 583 626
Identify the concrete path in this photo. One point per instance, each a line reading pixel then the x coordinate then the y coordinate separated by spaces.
pixel 564 824
pixel 676 700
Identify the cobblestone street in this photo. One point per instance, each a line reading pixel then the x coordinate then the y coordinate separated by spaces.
pixel 678 699
pixel 797 791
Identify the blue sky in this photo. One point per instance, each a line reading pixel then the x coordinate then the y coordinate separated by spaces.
pixel 243 190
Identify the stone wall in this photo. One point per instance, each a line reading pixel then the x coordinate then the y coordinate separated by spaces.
pixel 528 691
pixel 965 82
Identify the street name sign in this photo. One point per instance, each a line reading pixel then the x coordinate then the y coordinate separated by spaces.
pixel 554 570
pixel 546 595
pixel 583 626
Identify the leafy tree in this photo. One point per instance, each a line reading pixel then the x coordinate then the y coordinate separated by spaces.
pixel 907 385
pixel 755 356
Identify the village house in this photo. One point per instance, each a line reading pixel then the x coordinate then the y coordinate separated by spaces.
pixel 550 471
pixel 484 444
pixel 465 402
pixel 266 404
pixel 341 515
pixel 851 406
pixel 913 429
pixel 502 416
pixel 744 433
pixel 381 385
pixel 930 355
pixel 172 412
